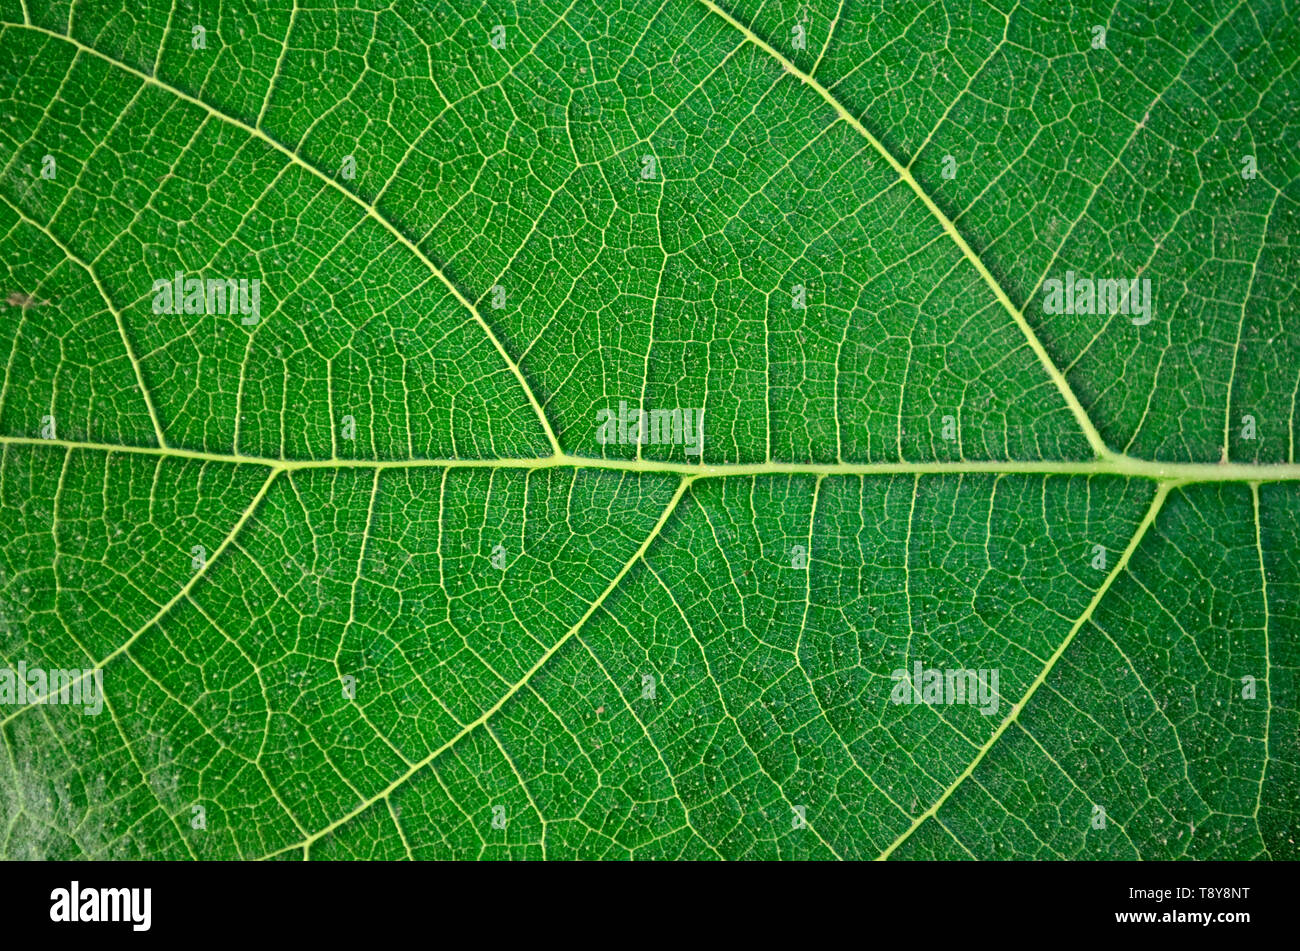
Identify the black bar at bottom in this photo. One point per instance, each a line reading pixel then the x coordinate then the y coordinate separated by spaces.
pixel 1220 902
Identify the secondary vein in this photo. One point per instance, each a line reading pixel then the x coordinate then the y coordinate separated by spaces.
pixel 1162 491
pixel 370 210
pixel 1067 393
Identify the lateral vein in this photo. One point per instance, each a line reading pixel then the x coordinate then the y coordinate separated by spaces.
pixel 117 316
pixel 181 594
pixel 1085 423
pixel 483 718
pixel 370 210
pixel 1162 491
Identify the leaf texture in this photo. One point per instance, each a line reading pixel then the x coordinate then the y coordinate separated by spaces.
pixel 365 577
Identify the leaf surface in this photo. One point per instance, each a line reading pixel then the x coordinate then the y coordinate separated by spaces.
pixel 364 577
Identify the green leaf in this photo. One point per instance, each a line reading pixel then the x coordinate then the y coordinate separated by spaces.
pixel 362 574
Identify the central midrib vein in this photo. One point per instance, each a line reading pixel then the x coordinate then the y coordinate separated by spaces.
pixel 1114 464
